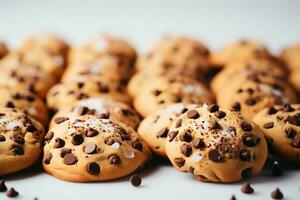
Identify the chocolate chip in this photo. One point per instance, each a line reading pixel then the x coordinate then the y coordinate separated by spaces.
pixel 290 133
pixel 135 180
pixel 18 139
pixel 109 141
pixel 3 187
pixel 184 110
pixel 250 101
pixel 70 159
pixel 92 132
pixel 49 136
pixel 276 170
pixel 251 141
pixel 93 168
pixel 138 146
pixel 294 120
pixel 172 135
pixel 186 150
pixel 59 143
pixel 272 111
pixel 156 92
pixel 192 114
pixel 17 150
pixel 163 133
pixel 80 85
pixel 10 104
pixel 220 114
pixel 90 148
pixel 247 189
pixel 2 138
pixel 236 106
pixel 288 108
pixel 213 108
pixel 268 125
pixel 179 162
pixel 48 158
pixel 186 137
pixel 245 155
pixel 114 159
pixel 77 139
pixel 232 197
pixel 277 194
pixel 65 151
pixel 59 120
pixel 246 127
pixel 103 116
pixel 178 123
pixel 296 143
pixel 82 110
pixel 215 126
pixel 246 173
pixel 12 193
pixel 198 143
pixel 215 156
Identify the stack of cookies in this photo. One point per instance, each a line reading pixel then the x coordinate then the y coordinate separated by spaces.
pixel 26 75
pixel 95 135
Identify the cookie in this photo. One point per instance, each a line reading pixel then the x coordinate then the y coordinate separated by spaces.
pixel 102 45
pixel 16 73
pixel 216 145
pixel 163 91
pixel 66 94
pixel 184 54
pixel 253 69
pixel 3 50
pixel 155 127
pixel 249 97
pixel 20 140
pixel 89 149
pixel 291 56
pixel 25 101
pixel 105 107
pixel 294 79
pixel 239 51
pixel 281 127
pixel 104 66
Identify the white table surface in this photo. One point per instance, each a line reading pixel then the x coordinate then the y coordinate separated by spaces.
pixel 143 22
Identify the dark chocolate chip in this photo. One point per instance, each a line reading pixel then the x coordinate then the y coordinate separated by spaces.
pixel 179 162
pixel 276 170
pixel 12 193
pixel 77 139
pixel 103 116
pixel 156 92
pixel 92 132
pixel 246 173
pixel 138 146
pixel 49 136
pixel 294 120
pixel 246 127
pixel 3 187
pixel 17 150
pixel 163 133
pixel 18 139
pixel 48 158
pixel 93 168
pixel 277 194
pixel 65 151
pixel 109 141
pixel 31 128
pixel 251 141
pixel 184 110
pixel 296 143
pixel 10 104
pixel 215 156
pixel 114 159
pixel 90 148
pixel 135 180
pixel 268 125
pixel 186 137
pixel 178 123
pixel 82 110
pixel 236 106
pixel 245 155
pixel 247 189
pixel 70 159
pixel 215 126
pixel 192 114
pixel 272 110
pixel 288 108
pixel 186 150
pixel 250 101
pixel 2 138
pixel 290 133
pixel 172 135
pixel 59 120
pixel 59 143
pixel 232 197
pixel 220 114
pixel 198 143
pixel 213 108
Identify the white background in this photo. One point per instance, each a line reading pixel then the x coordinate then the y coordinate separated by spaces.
pixel 277 23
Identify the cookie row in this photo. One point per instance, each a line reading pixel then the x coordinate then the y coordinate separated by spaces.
pixel 170 72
